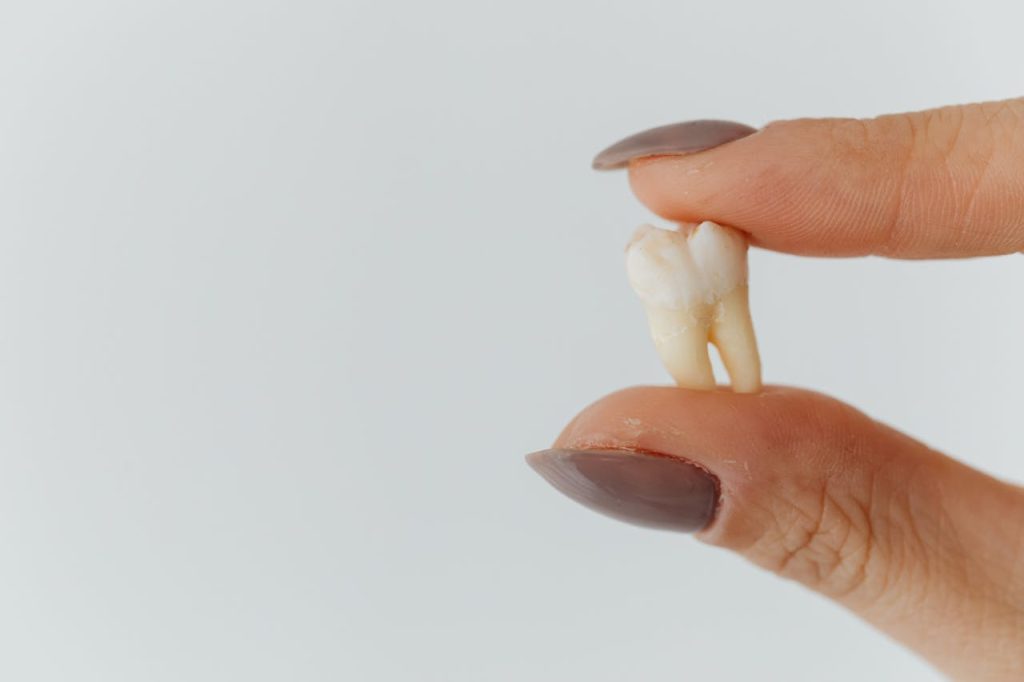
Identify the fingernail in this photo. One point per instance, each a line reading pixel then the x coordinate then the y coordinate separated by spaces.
pixel 656 491
pixel 678 138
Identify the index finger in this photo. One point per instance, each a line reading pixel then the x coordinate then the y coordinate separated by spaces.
pixel 943 183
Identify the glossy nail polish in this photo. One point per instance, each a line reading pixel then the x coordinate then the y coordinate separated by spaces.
pixel 656 491
pixel 678 138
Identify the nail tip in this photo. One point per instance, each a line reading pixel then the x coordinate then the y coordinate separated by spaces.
pixel 533 459
pixel 600 164
pixel 543 464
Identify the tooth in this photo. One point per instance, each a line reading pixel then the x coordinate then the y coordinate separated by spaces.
pixel 694 289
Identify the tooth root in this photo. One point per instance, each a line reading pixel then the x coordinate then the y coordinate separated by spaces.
pixel 733 334
pixel 681 339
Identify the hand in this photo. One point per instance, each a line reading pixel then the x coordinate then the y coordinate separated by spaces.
pixel 925 548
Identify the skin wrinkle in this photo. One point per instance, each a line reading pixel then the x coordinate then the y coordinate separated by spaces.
pixel 834 545
pixel 897 210
pixel 971 198
pixel 826 543
pixel 963 171
pixel 932 162
pixel 914 566
pixel 806 541
pixel 774 535
pixel 881 576
pixel 958 114
pixel 993 128
pixel 1012 107
pixel 865 531
pixel 858 534
pixel 965 200
pixel 946 166
pixel 824 547
pixel 890 508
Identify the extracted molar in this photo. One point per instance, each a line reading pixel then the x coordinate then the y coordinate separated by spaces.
pixel 693 285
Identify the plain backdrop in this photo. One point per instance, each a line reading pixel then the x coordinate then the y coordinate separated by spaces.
pixel 287 289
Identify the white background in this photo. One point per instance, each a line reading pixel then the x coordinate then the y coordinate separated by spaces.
pixel 287 289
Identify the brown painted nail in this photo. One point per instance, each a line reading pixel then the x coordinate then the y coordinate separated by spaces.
pixel 656 491
pixel 678 138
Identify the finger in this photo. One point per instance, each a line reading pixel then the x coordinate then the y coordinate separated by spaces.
pixel 941 183
pixel 802 485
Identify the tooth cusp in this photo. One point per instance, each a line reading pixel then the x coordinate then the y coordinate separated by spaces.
pixel 721 255
pixel 661 269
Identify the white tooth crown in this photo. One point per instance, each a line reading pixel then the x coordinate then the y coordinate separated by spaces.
pixel 674 270
pixel 694 288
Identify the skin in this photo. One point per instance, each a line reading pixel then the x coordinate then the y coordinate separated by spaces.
pixel 923 547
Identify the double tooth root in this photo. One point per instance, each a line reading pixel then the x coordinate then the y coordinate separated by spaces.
pixel 693 285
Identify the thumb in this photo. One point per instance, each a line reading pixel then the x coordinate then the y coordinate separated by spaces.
pixel 921 546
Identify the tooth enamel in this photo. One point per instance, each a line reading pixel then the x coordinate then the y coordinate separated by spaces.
pixel 694 289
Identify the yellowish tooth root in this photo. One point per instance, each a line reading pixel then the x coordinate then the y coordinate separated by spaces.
pixel 694 289
pixel 733 335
